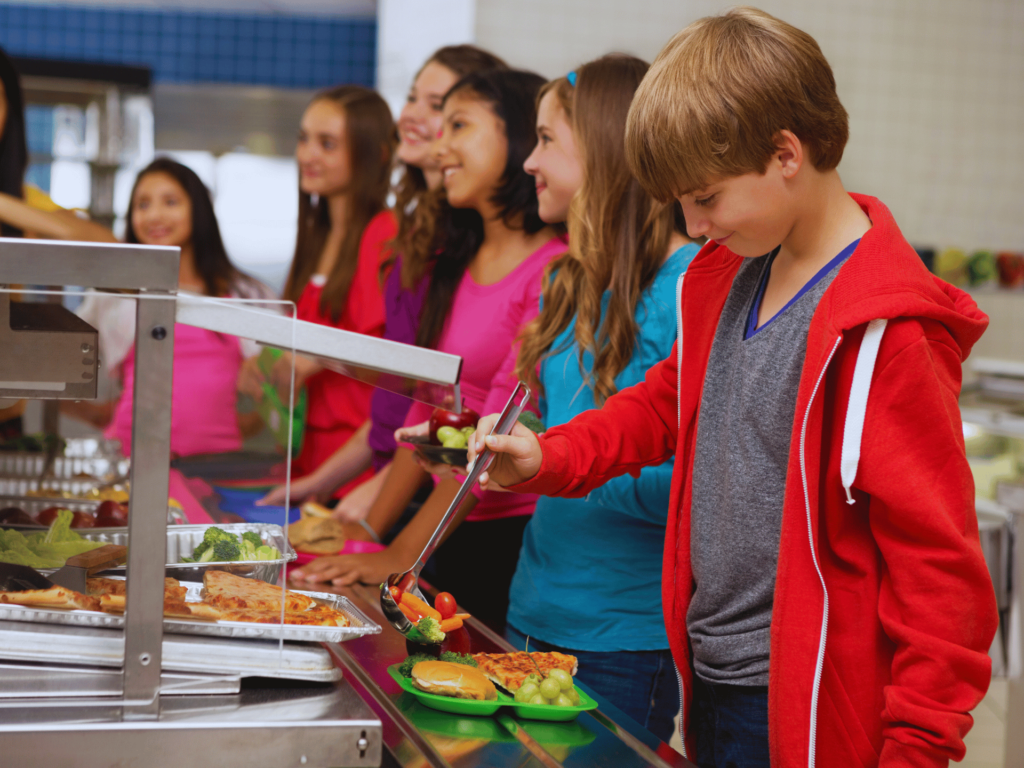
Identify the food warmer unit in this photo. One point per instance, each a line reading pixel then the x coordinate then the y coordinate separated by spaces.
pixel 96 696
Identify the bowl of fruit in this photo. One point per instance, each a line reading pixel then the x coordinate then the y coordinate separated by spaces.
pixel 448 438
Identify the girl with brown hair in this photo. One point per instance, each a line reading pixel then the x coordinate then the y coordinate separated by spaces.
pixel 607 316
pixel 345 149
pixel 418 197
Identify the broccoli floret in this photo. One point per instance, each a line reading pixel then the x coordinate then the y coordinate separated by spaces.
pixel 459 658
pixel 201 547
pixel 214 534
pixel 405 669
pixel 206 557
pixel 226 550
pixel 529 420
pixel 430 629
pixel 253 537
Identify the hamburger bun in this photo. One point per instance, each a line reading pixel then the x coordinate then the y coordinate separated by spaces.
pixel 317 535
pixel 456 680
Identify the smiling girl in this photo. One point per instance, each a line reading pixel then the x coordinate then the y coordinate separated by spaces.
pixel 608 315
pixel 483 290
pixel 344 152
pixel 418 196
pixel 170 206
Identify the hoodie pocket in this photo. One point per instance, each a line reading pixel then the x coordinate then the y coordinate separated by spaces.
pixel 838 721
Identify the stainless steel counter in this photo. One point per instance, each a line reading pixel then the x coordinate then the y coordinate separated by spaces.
pixel 415 735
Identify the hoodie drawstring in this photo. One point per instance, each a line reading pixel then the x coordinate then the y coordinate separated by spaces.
pixel 857 408
pixel 679 350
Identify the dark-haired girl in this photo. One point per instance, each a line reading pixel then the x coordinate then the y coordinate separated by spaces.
pixel 345 148
pixel 418 194
pixel 484 288
pixel 171 206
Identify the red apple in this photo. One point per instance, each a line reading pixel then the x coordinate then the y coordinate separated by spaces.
pixel 15 516
pixel 442 418
pixel 48 515
pixel 83 520
pixel 110 514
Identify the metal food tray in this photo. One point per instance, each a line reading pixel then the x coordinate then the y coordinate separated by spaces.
pixel 361 624
pixel 183 539
pixel 182 653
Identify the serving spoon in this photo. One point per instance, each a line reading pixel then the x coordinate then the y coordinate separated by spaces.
pixel 409 580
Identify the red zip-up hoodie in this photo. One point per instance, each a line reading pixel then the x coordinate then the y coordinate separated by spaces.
pixel 884 610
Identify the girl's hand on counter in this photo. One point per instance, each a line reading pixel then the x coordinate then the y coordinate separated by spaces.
pixel 303 489
pixel 345 570
pixel 250 378
pixel 518 455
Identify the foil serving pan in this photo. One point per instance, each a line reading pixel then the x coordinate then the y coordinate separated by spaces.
pixel 100 647
pixel 183 539
pixel 361 624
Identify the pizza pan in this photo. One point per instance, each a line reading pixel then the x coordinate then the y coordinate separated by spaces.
pixel 361 624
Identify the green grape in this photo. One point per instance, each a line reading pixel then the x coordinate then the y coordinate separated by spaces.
pixel 573 695
pixel 467 431
pixel 533 677
pixel 443 433
pixel 562 701
pixel 550 688
pixel 526 692
pixel 564 678
pixel 537 699
pixel 456 440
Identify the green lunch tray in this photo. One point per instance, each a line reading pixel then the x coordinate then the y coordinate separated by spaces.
pixel 484 708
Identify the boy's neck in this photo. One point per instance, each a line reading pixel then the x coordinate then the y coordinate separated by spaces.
pixel 827 221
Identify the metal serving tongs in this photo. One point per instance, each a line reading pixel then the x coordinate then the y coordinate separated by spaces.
pixel 409 581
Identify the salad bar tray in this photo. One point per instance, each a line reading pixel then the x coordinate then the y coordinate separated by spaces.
pixel 360 623
pixel 183 539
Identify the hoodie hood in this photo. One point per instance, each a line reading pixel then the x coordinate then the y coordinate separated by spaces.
pixel 885 279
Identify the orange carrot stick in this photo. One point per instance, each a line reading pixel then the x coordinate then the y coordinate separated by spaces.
pixel 450 625
pixel 410 600
pixel 410 614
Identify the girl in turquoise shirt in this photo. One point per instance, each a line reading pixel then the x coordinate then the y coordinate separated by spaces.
pixel 588 580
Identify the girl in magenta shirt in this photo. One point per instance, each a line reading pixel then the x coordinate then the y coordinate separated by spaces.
pixel 170 206
pixel 484 288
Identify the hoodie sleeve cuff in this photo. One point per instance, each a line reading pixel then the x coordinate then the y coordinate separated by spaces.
pixel 897 755
pixel 554 472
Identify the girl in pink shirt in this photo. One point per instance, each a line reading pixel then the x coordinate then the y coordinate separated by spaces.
pixel 171 206
pixel 484 288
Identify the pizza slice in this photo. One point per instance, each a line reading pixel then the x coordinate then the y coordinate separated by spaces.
pixel 101 586
pixel 230 592
pixel 327 617
pixel 54 597
pixel 509 670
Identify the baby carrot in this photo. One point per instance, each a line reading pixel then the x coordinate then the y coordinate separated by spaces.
pixel 450 625
pixel 410 614
pixel 462 616
pixel 410 600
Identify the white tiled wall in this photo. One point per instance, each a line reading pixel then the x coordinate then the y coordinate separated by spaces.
pixel 935 91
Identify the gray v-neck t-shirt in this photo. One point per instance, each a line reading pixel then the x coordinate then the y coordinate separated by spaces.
pixel 739 477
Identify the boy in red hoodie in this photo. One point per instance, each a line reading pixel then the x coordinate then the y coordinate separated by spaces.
pixel 824 591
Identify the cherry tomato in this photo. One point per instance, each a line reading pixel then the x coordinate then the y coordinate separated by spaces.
pixel 396 594
pixel 444 603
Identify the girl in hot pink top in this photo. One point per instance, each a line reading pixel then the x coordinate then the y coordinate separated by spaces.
pixel 489 351
pixel 483 289
pixel 170 206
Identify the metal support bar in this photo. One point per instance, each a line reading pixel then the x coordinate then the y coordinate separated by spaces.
pixel 147 518
pixel 104 265
pixel 355 350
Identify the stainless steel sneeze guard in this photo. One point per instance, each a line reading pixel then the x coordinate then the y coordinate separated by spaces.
pixel 268 726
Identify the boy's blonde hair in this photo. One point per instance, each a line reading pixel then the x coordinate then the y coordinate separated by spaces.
pixel 717 96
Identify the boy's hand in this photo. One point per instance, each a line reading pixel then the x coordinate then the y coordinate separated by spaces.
pixel 517 458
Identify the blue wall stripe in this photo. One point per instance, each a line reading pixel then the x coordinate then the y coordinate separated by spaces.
pixel 188 47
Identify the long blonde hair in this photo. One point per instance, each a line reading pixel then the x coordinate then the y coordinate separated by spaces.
pixel 618 234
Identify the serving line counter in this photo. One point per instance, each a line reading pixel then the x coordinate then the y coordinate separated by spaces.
pixel 415 735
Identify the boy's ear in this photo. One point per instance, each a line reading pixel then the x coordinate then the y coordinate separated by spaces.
pixel 789 153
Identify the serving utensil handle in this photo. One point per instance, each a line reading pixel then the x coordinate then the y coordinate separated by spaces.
pixel 506 420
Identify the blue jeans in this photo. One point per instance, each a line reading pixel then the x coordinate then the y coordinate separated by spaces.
pixel 642 684
pixel 729 724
